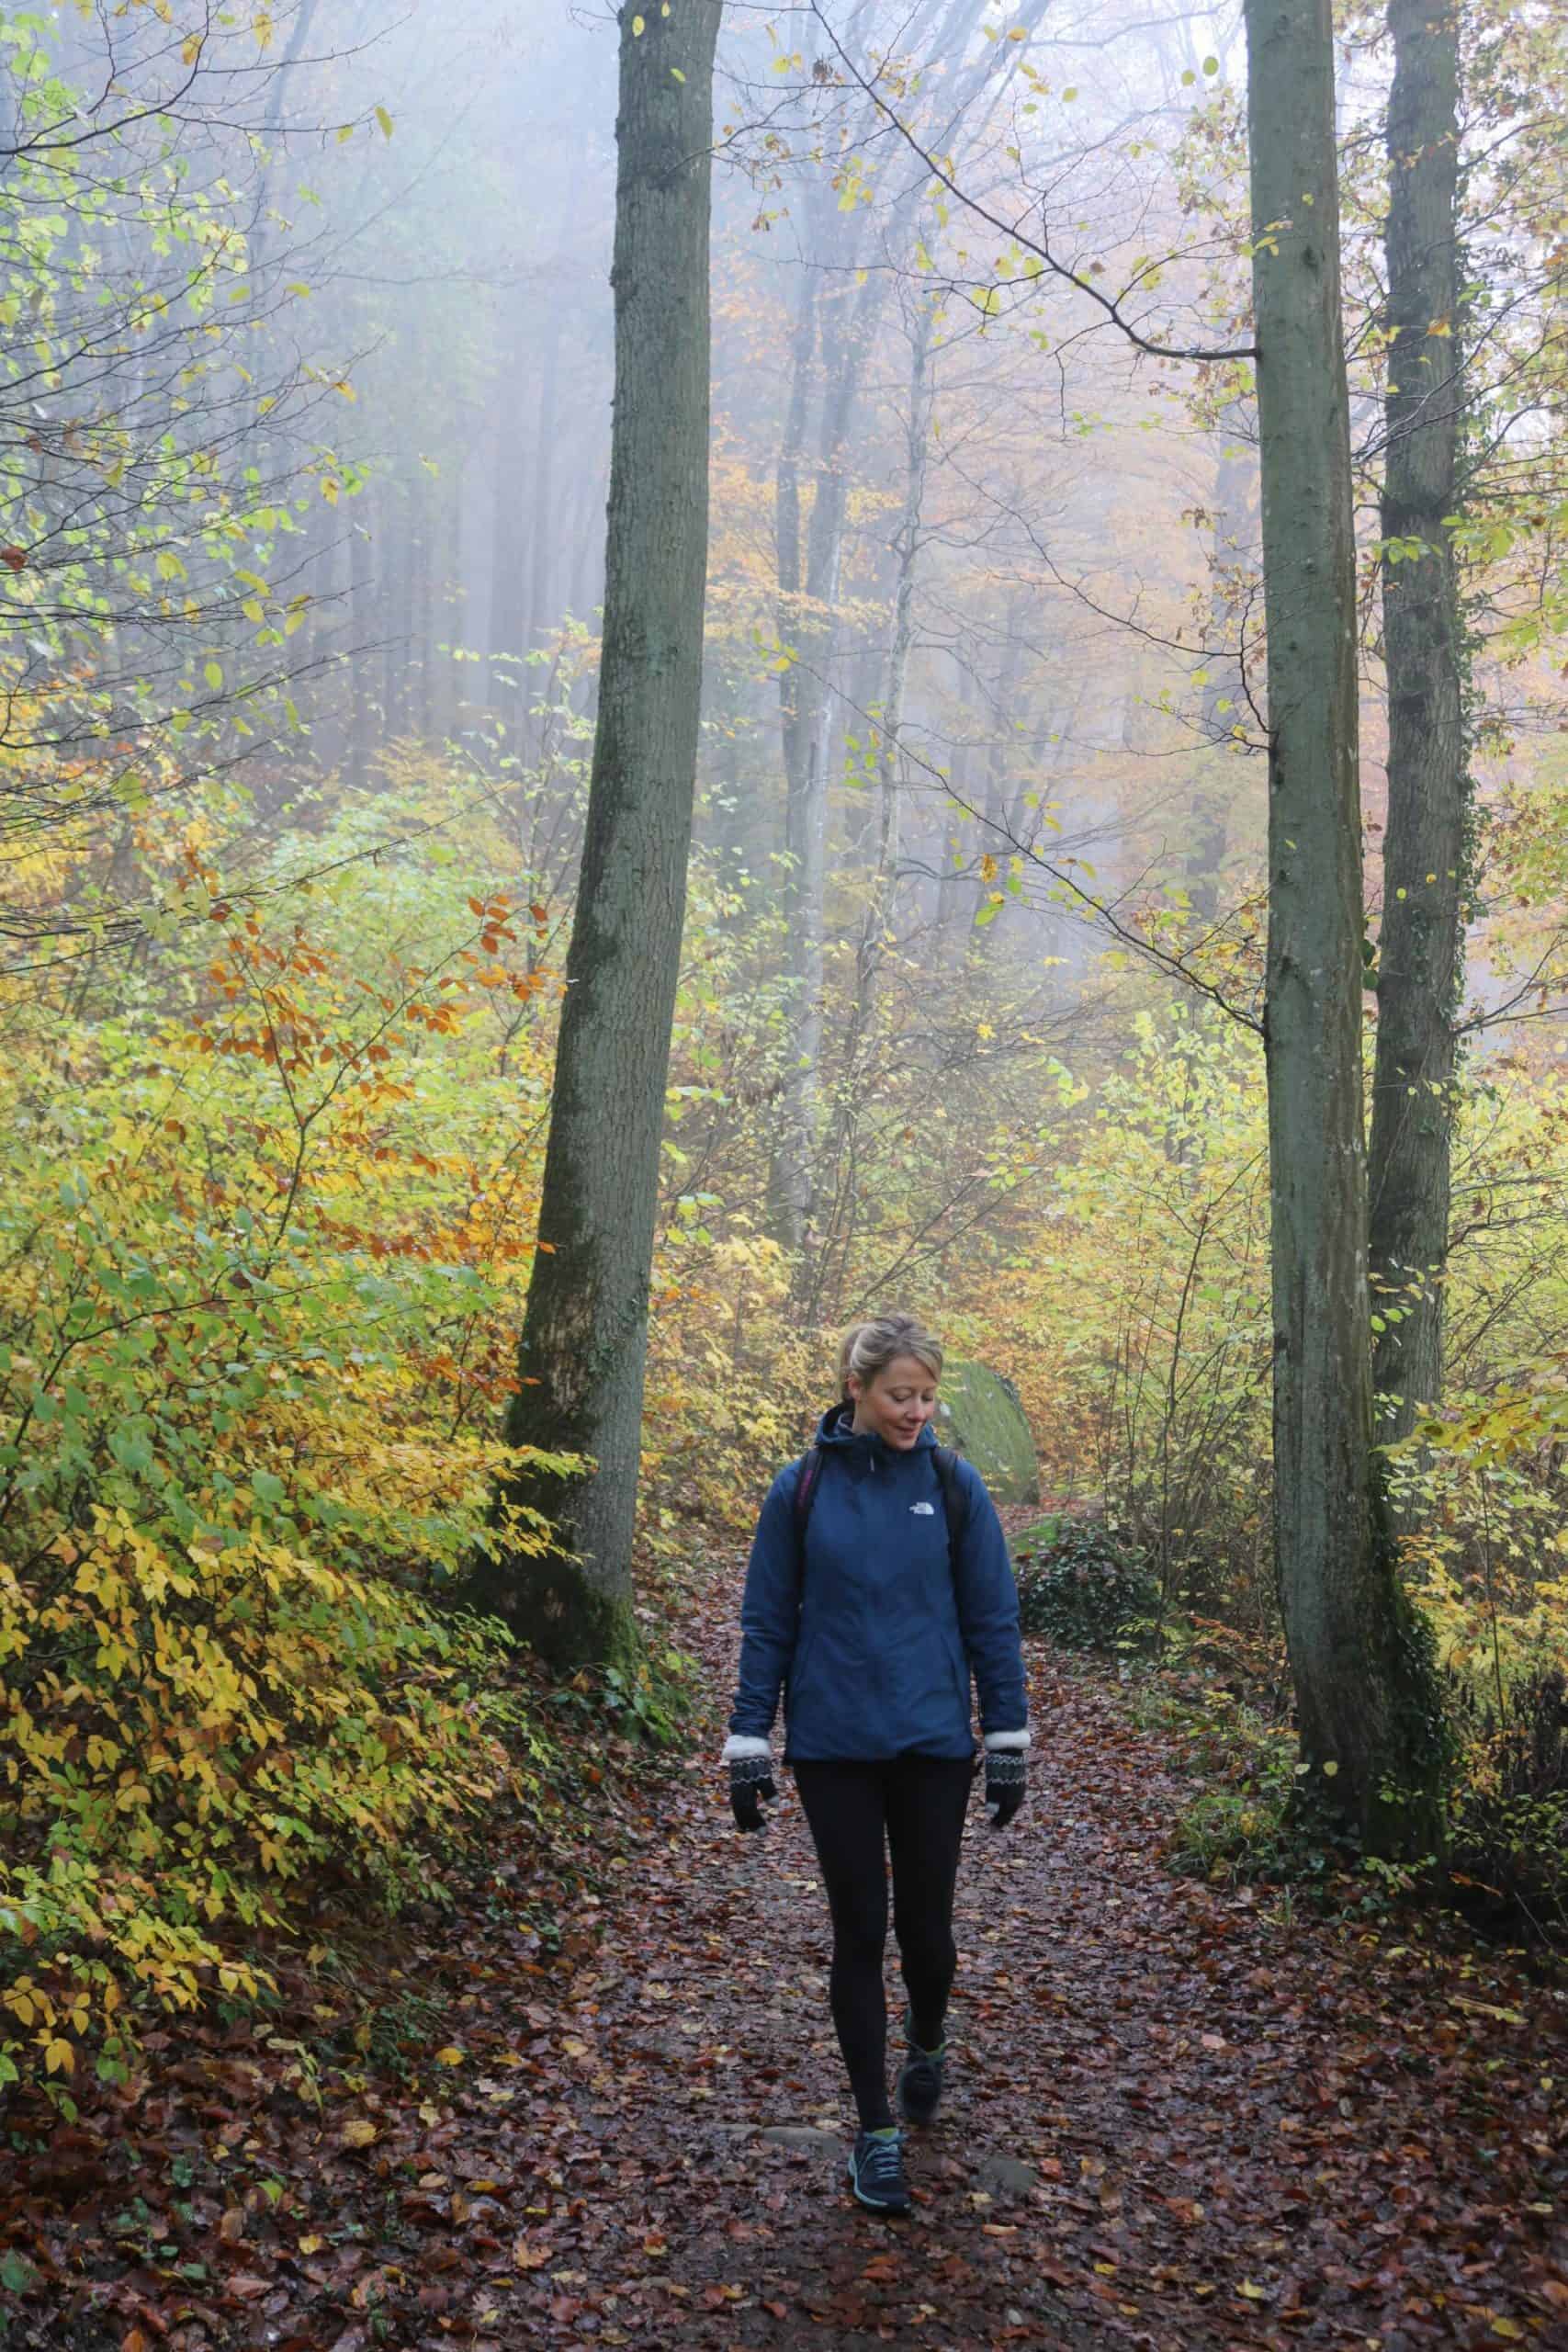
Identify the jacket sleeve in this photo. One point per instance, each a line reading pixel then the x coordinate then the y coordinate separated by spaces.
pixel 988 1615
pixel 770 1611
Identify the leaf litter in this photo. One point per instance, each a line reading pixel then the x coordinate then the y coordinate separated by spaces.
pixel 1175 2116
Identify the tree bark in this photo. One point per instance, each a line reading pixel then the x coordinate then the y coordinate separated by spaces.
pixel 543 538
pixel 582 1355
pixel 508 598
pixel 362 630
pixel 1236 477
pixel 1421 941
pixel 890 811
pixel 808 610
pixel 1366 1709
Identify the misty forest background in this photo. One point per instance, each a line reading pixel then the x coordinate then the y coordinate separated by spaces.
pixel 306 365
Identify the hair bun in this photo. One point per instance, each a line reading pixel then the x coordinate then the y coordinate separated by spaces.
pixel 868 1348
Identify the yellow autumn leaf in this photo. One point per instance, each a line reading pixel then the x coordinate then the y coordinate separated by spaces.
pixel 358 2132
pixel 450 2056
pixel 1488 2009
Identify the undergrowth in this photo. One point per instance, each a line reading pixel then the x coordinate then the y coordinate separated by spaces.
pixel 1079 1585
pixel 1251 1821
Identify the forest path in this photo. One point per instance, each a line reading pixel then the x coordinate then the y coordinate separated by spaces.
pixel 1176 2118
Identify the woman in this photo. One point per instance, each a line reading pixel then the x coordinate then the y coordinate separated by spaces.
pixel 878 1583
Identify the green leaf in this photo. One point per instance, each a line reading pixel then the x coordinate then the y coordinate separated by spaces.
pixel 384 119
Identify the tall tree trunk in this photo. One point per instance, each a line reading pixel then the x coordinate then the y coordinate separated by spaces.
pixel 1236 477
pixel 1420 947
pixel 393 577
pixel 806 717
pixel 1365 1700
pixel 993 836
pixel 421 526
pixel 790 1164
pixel 584 1336
pixel 361 634
pixel 508 585
pixel 821 1278
pixel 890 812
pixel 543 603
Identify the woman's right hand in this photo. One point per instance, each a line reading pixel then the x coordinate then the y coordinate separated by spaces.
pixel 750 1779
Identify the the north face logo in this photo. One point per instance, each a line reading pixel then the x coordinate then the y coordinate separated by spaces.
pixel 923 1510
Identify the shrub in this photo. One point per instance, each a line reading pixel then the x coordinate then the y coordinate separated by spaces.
pixel 1509 1843
pixel 190 1738
pixel 259 1273
pixel 1080 1588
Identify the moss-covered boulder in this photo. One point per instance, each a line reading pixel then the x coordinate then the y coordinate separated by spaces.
pixel 980 1417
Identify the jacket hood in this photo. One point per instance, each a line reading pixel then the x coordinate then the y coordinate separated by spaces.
pixel 835 1429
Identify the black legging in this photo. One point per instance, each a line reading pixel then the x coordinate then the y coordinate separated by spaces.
pixel 915 1804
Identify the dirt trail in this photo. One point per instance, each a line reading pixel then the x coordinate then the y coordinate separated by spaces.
pixel 1175 2120
pixel 1172 2119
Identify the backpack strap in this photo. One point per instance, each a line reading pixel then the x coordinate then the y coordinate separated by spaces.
pixel 806 1487
pixel 954 1502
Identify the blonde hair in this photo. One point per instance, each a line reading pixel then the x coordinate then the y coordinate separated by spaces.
pixel 870 1348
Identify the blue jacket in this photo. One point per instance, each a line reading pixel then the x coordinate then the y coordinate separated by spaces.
pixel 874 1636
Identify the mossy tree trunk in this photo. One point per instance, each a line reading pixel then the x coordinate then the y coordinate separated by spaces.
pixel 1421 938
pixel 1360 1666
pixel 580 1360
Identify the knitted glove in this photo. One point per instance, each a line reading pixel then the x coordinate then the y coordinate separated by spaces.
pixel 1007 1769
pixel 751 1778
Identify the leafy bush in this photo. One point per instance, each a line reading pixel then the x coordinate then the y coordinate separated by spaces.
pixel 1509 1850
pixel 258 1277
pixel 1080 1588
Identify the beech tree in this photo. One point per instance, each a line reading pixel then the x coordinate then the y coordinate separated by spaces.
pixel 1422 931
pixel 580 1360
pixel 1367 1713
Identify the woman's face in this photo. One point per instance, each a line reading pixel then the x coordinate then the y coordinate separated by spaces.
pixel 896 1402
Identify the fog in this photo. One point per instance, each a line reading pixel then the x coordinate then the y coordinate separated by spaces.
pixel 1078 552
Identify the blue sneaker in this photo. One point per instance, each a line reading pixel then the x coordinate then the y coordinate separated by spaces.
pixel 876 2171
pixel 921 2080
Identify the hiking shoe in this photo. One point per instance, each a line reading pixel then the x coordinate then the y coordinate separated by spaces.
pixel 876 2171
pixel 920 2083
